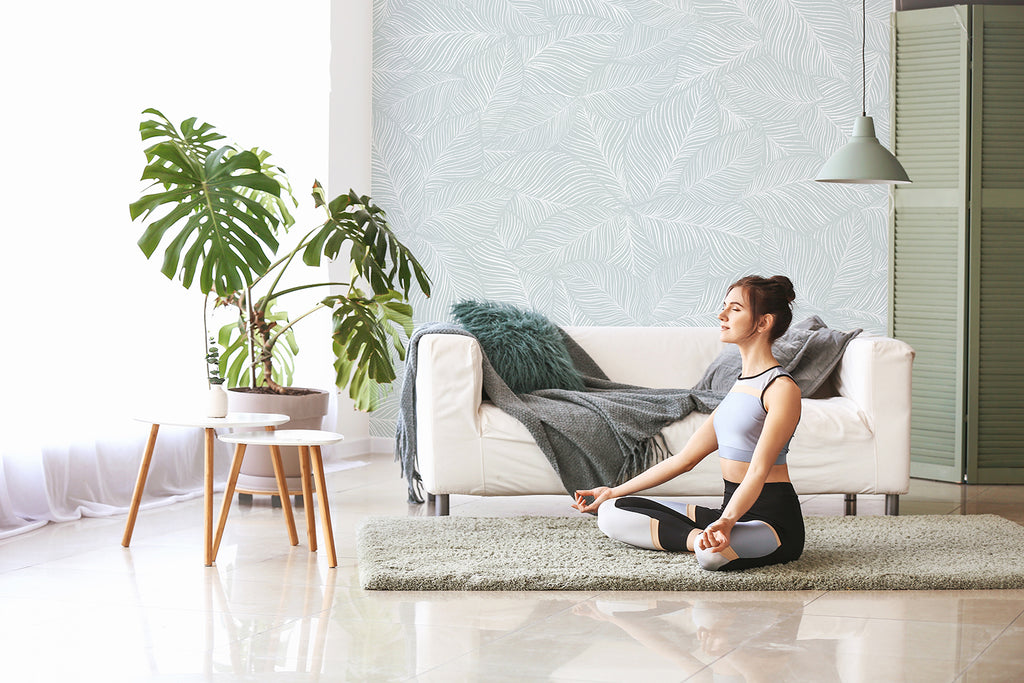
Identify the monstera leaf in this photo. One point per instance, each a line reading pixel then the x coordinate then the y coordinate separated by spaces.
pixel 221 206
pixel 365 332
pixel 375 252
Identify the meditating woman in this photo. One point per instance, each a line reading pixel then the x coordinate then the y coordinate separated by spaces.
pixel 760 522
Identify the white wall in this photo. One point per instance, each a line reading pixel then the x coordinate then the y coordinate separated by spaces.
pixel 87 318
pixel 350 139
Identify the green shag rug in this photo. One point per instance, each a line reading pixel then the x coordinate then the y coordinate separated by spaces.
pixel 570 553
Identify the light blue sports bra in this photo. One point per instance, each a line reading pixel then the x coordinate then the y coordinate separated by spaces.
pixel 740 417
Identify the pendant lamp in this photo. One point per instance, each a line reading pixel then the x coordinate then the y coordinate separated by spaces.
pixel 863 159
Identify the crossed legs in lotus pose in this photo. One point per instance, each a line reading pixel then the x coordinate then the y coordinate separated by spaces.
pixel 664 525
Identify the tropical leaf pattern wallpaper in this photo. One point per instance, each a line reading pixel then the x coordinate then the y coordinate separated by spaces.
pixel 620 162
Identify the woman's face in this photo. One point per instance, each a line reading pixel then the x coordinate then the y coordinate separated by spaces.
pixel 736 318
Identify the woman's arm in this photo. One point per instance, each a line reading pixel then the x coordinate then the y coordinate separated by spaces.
pixel 699 446
pixel 782 401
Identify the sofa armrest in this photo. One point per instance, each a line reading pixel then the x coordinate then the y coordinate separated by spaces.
pixel 449 390
pixel 875 373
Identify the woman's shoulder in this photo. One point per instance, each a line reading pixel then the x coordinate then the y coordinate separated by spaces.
pixel 780 373
pixel 781 390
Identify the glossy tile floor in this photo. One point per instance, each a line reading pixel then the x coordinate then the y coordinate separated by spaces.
pixel 75 605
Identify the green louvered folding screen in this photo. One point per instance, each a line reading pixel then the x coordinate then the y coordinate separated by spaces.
pixel 957 237
pixel 928 241
pixel 995 438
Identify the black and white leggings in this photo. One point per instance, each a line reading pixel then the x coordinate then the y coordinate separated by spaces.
pixel 771 532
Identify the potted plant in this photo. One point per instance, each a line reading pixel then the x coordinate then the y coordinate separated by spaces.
pixel 223 209
pixel 218 400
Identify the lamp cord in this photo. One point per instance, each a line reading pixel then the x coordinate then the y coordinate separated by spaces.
pixel 863 61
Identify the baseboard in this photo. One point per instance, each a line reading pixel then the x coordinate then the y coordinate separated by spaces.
pixel 363 446
pixel 351 448
pixel 382 444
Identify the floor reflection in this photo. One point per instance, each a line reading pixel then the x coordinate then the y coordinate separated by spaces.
pixel 761 640
pixel 244 637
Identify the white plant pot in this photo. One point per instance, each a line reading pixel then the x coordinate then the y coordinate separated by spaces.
pixel 305 412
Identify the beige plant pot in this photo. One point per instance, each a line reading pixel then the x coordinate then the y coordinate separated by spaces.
pixel 306 411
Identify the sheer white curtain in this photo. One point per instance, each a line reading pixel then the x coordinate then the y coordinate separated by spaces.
pixel 92 330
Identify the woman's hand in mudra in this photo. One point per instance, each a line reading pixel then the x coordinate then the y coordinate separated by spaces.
pixel 716 536
pixel 600 495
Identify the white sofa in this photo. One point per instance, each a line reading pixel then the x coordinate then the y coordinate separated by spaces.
pixel 856 442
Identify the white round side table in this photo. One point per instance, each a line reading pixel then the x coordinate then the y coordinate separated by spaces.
pixel 309 442
pixel 209 424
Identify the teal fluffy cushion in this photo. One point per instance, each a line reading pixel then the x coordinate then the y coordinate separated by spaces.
pixel 525 348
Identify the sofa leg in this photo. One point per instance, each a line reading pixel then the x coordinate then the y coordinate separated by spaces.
pixel 892 504
pixel 851 504
pixel 441 505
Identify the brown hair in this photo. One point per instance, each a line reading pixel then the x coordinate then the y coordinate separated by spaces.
pixel 773 295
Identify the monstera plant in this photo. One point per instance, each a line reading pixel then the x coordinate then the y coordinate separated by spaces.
pixel 219 211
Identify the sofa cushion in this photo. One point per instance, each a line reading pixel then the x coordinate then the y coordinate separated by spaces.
pixel 831 452
pixel 820 350
pixel 656 357
pixel 525 348
pixel 809 351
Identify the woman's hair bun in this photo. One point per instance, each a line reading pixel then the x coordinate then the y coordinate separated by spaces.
pixel 786 285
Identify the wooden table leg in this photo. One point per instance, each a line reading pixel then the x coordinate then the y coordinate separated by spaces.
pixel 325 510
pixel 307 497
pixel 229 491
pixel 282 490
pixel 208 499
pixel 140 484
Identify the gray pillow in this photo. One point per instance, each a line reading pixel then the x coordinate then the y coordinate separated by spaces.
pixel 809 351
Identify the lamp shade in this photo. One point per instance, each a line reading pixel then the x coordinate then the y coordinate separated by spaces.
pixel 863 159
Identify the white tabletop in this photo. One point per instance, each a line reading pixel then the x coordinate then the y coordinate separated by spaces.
pixel 283 437
pixel 231 420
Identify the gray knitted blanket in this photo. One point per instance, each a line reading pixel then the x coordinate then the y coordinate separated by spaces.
pixel 598 437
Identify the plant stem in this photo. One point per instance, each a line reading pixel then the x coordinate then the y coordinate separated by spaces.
pixel 273 340
pixel 268 372
pixel 292 253
pixel 206 338
pixel 270 290
pixel 249 332
pixel 301 287
pixel 268 355
pixel 283 262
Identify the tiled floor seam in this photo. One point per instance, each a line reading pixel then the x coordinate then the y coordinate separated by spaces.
pixel 963 673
